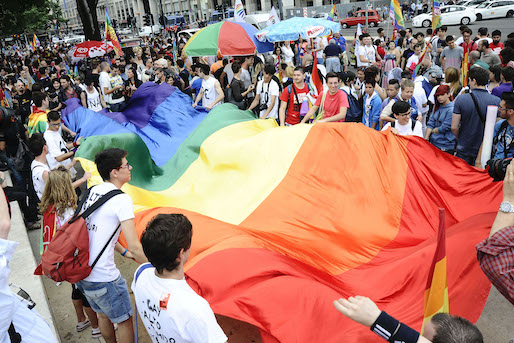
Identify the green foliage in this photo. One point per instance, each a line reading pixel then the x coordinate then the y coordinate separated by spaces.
pixel 29 16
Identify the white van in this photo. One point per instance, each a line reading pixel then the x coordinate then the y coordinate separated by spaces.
pixel 258 20
pixel 147 30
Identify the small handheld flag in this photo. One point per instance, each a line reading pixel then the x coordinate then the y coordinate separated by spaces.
pixel 273 17
pixel 395 12
pixel 239 11
pixel 332 13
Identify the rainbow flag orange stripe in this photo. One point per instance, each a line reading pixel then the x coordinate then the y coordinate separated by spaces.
pixel 436 294
pixel 111 35
pixel 287 219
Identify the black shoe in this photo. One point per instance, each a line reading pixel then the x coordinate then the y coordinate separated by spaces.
pixel 33 225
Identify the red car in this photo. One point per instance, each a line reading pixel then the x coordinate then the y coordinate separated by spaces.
pixel 360 18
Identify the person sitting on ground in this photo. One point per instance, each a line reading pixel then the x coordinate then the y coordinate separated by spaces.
pixel 439 125
pixel 182 314
pixel 403 124
pixel 442 327
pixel 334 102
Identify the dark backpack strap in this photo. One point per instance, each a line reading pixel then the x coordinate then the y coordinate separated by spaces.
pixel 393 123
pixel 80 204
pixel 13 335
pixel 503 126
pixel 103 199
pixel 289 90
pixel 139 271
pixel 482 118
pixel 105 246
pixel 413 124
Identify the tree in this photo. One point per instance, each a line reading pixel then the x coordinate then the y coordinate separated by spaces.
pixel 29 16
pixel 89 18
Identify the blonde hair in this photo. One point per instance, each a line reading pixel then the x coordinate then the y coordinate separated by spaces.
pixel 289 72
pixel 137 49
pixel 452 76
pixel 58 192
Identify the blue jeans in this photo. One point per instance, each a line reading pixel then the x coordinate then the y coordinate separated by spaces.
pixel 110 298
pixel 468 158
pixel 117 107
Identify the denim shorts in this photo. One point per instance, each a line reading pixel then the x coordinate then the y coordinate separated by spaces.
pixel 110 298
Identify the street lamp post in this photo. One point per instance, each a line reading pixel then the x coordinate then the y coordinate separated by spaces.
pixel 367 19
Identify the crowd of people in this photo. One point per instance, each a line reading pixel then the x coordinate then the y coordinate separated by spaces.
pixel 410 84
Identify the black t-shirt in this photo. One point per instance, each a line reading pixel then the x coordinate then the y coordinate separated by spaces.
pixel 407 53
pixel 11 139
pixel 23 106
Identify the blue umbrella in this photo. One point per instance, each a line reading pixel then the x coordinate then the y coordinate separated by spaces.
pixel 293 28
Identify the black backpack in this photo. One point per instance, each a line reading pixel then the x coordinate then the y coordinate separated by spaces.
pixel 413 124
pixel 354 113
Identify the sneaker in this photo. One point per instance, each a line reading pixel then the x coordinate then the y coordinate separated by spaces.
pixel 33 225
pixel 81 326
pixel 96 333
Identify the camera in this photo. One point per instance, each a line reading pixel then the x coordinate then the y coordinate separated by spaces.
pixel 263 107
pixel 498 168
pixel 152 75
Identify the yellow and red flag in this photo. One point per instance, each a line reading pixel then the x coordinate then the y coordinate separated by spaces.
pixel 111 35
pixel 436 293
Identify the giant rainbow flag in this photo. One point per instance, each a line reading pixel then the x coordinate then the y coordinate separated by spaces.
pixel 287 219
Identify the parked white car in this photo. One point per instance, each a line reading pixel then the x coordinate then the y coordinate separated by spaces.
pixel 471 3
pixel 495 9
pixel 450 15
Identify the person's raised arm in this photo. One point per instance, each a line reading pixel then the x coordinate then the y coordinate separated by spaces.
pixel 364 311
pixel 133 243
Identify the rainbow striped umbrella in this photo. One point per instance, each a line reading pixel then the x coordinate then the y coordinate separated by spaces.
pixel 231 38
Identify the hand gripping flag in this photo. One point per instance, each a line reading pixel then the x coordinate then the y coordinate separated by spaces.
pixel 111 35
pixel 317 221
pixel 436 293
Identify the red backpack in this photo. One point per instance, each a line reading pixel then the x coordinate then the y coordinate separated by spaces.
pixel 67 255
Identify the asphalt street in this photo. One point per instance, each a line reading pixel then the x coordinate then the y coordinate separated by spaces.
pixel 505 25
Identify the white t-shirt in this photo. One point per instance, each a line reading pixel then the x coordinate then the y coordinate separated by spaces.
pixel 288 54
pixel 105 82
pixel 369 54
pixel 266 91
pixel 67 214
pixel 406 130
pixel 38 169
pixel 100 226
pixel 459 41
pixel 209 91
pixel 57 147
pixel 93 100
pixel 412 60
pixel 229 72
pixel 420 95
pixel 172 312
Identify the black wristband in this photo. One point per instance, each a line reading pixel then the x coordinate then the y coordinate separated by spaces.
pixel 385 326
pixel 392 330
